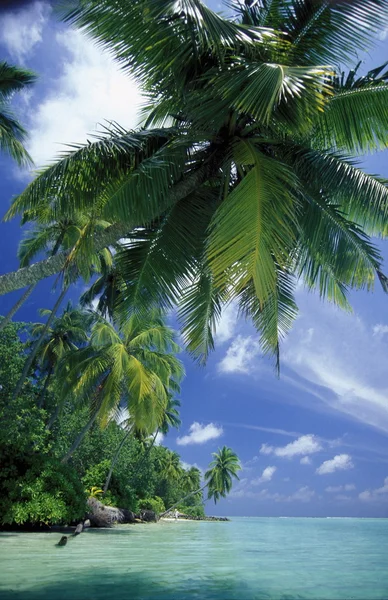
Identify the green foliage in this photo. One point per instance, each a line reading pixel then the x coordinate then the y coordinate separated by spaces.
pixel 43 491
pixel 95 475
pixel 12 134
pixel 193 511
pixel 156 504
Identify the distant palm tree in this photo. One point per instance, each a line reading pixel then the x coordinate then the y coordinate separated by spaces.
pixel 218 478
pixel 12 133
pixel 66 333
pixel 136 365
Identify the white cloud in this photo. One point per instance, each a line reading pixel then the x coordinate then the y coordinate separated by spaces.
pixel 21 30
pixel 187 466
pixel 227 324
pixel 341 462
pixel 159 439
pixel 380 329
pixel 266 476
pixel 90 89
pixel 306 460
pixel 340 355
pixel 200 434
pixel 241 356
pixel 306 444
pixel 334 489
pixel 377 495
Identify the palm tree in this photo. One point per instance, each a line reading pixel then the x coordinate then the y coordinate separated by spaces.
pixel 170 418
pixel 136 365
pixel 243 180
pixel 49 235
pixel 12 134
pixel 65 335
pixel 107 288
pixel 218 478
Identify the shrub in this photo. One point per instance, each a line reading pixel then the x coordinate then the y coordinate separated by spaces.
pixel 156 504
pixel 46 492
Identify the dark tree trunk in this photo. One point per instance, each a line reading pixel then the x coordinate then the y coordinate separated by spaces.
pixel 15 308
pixel 30 359
pixel 183 499
pixel 80 437
pixel 44 389
pixel 114 460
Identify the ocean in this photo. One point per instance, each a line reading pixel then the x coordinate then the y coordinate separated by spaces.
pixel 244 559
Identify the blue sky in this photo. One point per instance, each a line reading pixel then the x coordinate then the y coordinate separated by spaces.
pixel 313 442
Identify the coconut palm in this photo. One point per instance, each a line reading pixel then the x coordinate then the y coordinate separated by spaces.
pixel 218 478
pixel 135 365
pixel 243 180
pixel 49 235
pixel 65 335
pixel 12 135
pixel 106 289
pixel 170 418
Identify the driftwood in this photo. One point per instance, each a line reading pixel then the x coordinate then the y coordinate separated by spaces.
pixel 62 541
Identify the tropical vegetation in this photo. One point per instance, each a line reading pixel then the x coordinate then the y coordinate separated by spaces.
pixel 37 485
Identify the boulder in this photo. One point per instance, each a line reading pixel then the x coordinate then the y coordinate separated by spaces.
pixel 86 523
pixel 149 516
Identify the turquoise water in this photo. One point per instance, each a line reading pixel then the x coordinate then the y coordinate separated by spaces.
pixel 245 559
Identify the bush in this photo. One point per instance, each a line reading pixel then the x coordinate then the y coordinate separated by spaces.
pixel 156 504
pixel 192 511
pixel 46 492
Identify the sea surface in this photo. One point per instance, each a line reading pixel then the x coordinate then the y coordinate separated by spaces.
pixel 244 559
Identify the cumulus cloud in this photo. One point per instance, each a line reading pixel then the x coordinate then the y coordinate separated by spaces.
pixel 306 460
pixel 306 444
pixel 266 476
pixel 376 495
pixel 241 356
pixel 200 434
pixel 334 489
pixel 159 438
pixel 89 90
pixel 21 30
pixel 227 324
pixel 345 371
pixel 341 462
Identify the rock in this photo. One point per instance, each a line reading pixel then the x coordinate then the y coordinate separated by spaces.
pixel 62 541
pixel 86 523
pixel 149 516
pixel 101 515
pixel 127 516
pixel 79 529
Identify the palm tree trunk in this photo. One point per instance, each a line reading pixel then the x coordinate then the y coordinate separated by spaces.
pixel 36 346
pixel 114 460
pixel 53 417
pixel 142 459
pixel 49 266
pixel 44 389
pixel 80 437
pixel 29 290
pixel 16 306
pixel 183 499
